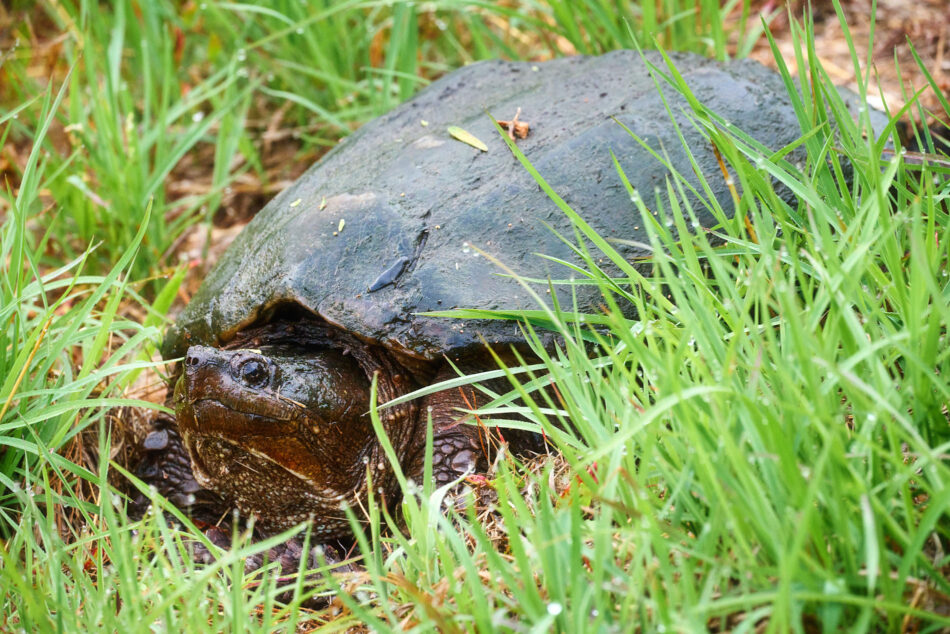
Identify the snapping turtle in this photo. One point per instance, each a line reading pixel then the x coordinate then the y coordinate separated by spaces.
pixel 324 289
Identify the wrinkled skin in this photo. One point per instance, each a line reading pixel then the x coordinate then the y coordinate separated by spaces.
pixel 279 427
pixel 282 434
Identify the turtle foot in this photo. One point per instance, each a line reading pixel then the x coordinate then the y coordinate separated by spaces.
pixel 320 560
pixel 166 468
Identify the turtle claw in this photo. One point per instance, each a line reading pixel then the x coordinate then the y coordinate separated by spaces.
pixel 454 456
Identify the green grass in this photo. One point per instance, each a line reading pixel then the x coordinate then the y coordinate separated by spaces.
pixel 154 82
pixel 765 445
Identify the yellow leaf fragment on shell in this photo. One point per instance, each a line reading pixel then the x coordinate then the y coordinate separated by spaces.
pixel 295 203
pixel 467 137
pixel 340 227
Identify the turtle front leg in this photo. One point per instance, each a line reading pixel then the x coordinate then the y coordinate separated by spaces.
pixel 167 467
pixel 458 448
pixel 288 554
pixel 456 452
pixel 292 558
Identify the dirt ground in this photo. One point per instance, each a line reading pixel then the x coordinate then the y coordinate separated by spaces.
pixel 899 27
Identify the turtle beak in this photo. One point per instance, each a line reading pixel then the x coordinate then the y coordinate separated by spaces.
pixel 210 398
pixel 203 368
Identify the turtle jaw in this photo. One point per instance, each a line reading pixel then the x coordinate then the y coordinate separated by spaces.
pixel 215 376
pixel 208 423
pixel 271 456
pixel 260 487
pixel 209 403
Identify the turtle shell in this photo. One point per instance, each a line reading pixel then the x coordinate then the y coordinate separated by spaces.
pixel 382 228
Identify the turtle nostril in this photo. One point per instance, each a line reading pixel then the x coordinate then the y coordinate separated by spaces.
pixel 192 360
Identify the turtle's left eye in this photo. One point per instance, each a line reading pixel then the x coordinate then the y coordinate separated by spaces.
pixel 253 373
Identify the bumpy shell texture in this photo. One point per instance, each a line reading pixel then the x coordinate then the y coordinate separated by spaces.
pixel 412 200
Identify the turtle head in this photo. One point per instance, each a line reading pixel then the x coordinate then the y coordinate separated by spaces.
pixel 281 432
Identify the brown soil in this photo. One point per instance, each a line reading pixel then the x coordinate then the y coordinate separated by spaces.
pixel 900 27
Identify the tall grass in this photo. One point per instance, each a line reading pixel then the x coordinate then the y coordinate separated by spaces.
pixel 70 559
pixel 49 318
pixel 128 117
pixel 763 447
pixel 153 83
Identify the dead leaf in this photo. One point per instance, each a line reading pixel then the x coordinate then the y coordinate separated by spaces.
pixel 516 128
pixel 467 137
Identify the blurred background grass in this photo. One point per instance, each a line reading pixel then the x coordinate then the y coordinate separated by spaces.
pixel 158 91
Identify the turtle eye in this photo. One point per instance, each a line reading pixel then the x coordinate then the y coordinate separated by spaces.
pixel 253 373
